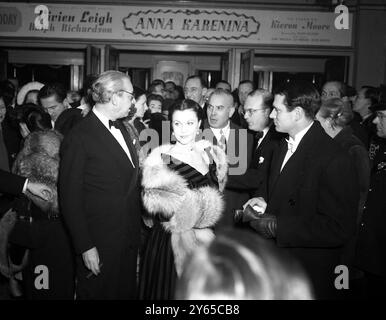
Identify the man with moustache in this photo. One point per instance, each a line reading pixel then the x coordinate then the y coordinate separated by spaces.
pixel 237 144
pixel 312 200
pixel 99 193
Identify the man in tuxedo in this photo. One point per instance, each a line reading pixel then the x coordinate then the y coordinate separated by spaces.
pixel 99 193
pixel 235 141
pixel 312 200
pixel 63 118
pixel 257 108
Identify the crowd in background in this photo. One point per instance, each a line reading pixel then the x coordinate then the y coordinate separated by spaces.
pixel 338 208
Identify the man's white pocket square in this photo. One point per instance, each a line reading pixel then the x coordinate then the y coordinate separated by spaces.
pixel 261 160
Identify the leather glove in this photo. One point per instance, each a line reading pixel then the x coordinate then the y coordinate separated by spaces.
pixel 265 225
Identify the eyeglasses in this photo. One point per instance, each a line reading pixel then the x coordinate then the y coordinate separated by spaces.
pixel 130 93
pixel 250 112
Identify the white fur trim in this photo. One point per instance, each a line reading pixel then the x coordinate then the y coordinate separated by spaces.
pixel 26 88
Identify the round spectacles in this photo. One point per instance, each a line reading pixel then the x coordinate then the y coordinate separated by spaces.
pixel 251 112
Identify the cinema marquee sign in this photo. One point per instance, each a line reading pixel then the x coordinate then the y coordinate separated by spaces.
pixel 191 24
pixel 178 25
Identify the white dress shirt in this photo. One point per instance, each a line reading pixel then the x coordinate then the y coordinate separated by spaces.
pixel 117 134
pixel 226 131
pixel 294 143
pixel 265 131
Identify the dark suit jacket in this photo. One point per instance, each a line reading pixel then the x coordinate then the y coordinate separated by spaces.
pixel 99 198
pixel 315 200
pixel 67 120
pixel 11 183
pixel 239 145
pixel 255 178
pixel 11 134
pixel 371 249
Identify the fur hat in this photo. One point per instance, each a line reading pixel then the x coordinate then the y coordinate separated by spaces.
pixel 35 85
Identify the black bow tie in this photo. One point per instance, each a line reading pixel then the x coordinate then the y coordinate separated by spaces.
pixel 259 135
pixel 114 124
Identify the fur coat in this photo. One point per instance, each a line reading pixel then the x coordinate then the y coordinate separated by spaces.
pixel 39 162
pixel 189 213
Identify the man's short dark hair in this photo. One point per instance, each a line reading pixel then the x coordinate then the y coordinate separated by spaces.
pixel 371 93
pixel 52 89
pixel 156 97
pixel 225 82
pixel 300 94
pixel 155 83
pixel 202 81
pixel 247 82
pixel 171 82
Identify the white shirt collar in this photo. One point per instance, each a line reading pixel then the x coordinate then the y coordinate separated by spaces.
pixel 265 131
pixel 298 137
pixel 226 130
pixel 102 118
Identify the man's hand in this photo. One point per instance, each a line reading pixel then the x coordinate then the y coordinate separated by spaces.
pixel 91 260
pixel 40 190
pixel 257 204
pixel 265 225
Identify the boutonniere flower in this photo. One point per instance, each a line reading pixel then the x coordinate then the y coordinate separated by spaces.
pixel 261 160
pixel 381 166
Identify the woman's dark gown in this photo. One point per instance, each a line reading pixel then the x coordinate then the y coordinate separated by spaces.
pixel 158 273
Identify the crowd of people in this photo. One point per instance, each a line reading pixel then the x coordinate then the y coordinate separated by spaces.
pixel 190 192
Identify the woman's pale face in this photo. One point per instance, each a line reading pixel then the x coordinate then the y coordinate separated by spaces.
pixel 185 126
pixel 141 106
pixel 155 106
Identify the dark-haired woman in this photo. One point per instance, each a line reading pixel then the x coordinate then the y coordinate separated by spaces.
pixel 182 186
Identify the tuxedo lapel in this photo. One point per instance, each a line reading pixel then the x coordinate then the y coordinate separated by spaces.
pixel 110 144
pixel 133 154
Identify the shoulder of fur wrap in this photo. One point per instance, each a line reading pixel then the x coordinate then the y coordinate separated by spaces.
pixel 39 162
pixel 167 193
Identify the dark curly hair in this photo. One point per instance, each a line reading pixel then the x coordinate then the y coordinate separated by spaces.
pixel 186 104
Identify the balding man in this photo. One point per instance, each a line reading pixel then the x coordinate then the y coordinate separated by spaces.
pixel 99 193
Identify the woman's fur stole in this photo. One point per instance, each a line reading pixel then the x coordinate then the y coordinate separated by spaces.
pixel 190 213
pixel 39 162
